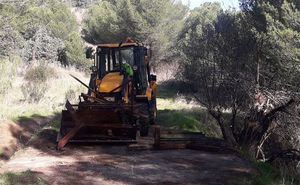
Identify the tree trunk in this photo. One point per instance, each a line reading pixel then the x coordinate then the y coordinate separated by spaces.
pixel 257 125
pixel 225 128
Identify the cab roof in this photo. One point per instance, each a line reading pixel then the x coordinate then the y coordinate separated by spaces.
pixel 127 43
pixel 117 45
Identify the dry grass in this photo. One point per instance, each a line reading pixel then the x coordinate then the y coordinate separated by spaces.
pixel 13 104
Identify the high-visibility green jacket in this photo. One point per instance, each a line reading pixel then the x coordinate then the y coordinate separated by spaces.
pixel 127 69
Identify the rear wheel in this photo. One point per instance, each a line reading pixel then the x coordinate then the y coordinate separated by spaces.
pixel 144 131
pixel 152 111
pixel 153 115
pixel 144 120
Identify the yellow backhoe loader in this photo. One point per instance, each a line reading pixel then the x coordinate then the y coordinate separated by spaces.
pixel 121 97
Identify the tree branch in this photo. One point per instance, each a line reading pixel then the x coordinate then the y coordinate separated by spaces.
pixel 279 109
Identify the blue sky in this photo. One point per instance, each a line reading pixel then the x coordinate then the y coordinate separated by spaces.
pixel 225 3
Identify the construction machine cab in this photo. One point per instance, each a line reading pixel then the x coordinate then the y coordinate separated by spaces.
pixel 118 62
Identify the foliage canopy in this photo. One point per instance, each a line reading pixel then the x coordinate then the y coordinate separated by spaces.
pixel 38 29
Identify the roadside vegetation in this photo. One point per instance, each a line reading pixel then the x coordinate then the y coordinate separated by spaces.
pixel 29 95
pixel 27 177
pixel 178 110
pixel 40 46
pixel 245 73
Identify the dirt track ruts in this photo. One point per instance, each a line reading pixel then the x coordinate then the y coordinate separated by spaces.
pixel 98 164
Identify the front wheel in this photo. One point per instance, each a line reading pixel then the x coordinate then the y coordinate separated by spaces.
pixel 144 128
pixel 152 111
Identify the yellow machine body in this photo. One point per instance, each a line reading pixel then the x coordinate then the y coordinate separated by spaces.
pixel 111 82
pixel 153 86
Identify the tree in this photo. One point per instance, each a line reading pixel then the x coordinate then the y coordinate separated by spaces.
pixel 74 46
pixel 40 30
pixel 82 3
pixel 11 41
pixel 52 14
pixel 142 20
pixel 43 46
pixel 218 62
pixel 163 38
pixel 245 63
pixel 276 28
pixel 106 23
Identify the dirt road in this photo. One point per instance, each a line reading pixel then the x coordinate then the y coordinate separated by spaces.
pixel 98 164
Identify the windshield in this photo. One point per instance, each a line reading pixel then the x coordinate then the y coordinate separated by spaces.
pixel 110 58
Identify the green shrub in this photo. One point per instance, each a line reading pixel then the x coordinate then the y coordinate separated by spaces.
pixel 11 41
pixel 74 52
pixel 43 46
pixel 270 174
pixel 26 177
pixel 35 82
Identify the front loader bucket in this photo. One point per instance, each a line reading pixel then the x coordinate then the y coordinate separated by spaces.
pixel 101 123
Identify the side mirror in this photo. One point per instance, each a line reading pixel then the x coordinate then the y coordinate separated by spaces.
pixel 135 68
pixel 93 69
pixel 89 53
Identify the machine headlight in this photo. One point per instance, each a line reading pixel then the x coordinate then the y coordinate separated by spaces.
pixel 135 68
pixel 112 99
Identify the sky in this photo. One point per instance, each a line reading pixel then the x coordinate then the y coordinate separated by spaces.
pixel 225 3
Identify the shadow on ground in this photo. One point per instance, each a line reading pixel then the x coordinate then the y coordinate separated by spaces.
pixel 99 164
pixel 103 164
pixel 20 132
pixel 155 167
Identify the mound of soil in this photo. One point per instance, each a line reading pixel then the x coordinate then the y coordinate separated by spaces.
pixel 14 135
pixel 9 138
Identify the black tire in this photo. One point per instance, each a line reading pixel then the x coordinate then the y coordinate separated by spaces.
pixel 144 121
pixel 144 128
pixel 144 131
pixel 153 115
